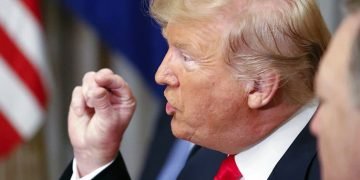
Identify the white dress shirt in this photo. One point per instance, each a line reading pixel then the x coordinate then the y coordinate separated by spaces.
pixel 257 162
pixel 171 169
pixel 75 175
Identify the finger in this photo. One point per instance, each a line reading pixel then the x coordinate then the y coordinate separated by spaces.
pixel 105 71
pixel 105 78
pixel 115 84
pixel 88 80
pixel 99 98
pixel 77 104
pixel 88 83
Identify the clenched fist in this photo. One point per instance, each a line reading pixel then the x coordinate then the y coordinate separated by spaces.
pixel 100 111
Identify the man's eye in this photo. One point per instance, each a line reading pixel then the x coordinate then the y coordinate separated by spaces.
pixel 186 58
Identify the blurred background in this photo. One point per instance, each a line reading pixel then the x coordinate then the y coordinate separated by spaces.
pixel 46 46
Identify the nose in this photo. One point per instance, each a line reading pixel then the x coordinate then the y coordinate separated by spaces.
pixel 315 123
pixel 165 75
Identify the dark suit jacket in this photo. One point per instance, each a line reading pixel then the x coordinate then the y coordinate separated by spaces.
pixel 298 163
pixel 201 161
pixel 116 170
pixel 202 164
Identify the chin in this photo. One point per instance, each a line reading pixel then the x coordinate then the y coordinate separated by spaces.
pixel 179 133
pixel 180 130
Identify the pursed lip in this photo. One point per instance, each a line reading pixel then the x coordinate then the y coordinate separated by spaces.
pixel 170 110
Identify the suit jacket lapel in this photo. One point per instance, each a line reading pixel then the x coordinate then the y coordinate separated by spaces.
pixel 300 160
pixel 202 164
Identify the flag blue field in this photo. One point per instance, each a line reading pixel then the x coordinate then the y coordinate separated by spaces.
pixel 137 48
pixel 126 27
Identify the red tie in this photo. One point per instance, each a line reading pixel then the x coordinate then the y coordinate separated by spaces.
pixel 228 170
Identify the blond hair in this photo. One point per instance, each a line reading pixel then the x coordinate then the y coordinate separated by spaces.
pixel 288 36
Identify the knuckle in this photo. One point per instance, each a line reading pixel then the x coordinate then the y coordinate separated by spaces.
pixel 105 71
pixel 88 75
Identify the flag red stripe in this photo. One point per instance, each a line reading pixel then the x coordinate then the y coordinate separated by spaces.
pixel 9 138
pixel 22 67
pixel 33 6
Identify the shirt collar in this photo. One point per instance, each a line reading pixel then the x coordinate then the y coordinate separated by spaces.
pixel 257 162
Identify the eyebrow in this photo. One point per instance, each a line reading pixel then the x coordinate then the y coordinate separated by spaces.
pixel 163 33
pixel 185 46
pixel 182 46
pixel 178 45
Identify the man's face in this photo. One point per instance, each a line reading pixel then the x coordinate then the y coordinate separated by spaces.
pixel 204 96
pixel 337 124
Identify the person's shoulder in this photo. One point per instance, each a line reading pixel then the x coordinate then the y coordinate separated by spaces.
pixel 300 161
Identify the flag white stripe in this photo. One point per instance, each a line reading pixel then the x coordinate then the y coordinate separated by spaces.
pixel 18 104
pixel 26 33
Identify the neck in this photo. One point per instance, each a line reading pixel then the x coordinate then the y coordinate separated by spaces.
pixel 261 123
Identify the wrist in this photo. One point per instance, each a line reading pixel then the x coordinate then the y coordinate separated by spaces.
pixel 89 161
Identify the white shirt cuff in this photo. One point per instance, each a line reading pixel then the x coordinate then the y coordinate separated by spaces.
pixel 75 175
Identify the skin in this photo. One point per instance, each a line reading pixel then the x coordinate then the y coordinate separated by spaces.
pixel 209 104
pixel 337 124
pixel 198 103
pixel 99 113
pixel 201 105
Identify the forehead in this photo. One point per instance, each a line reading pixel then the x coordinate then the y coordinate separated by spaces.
pixel 201 40
pixel 192 31
pixel 334 68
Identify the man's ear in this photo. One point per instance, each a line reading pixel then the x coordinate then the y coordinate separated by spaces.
pixel 263 89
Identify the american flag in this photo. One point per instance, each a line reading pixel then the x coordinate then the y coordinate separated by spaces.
pixel 24 75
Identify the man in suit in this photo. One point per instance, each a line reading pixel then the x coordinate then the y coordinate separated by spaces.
pixel 239 80
pixel 337 124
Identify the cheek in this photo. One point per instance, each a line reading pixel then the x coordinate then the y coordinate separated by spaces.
pixel 331 128
pixel 327 121
pixel 212 105
pixel 198 107
pixel 331 113
pixel 208 100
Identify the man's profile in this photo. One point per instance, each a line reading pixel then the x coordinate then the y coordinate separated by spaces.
pixel 239 80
